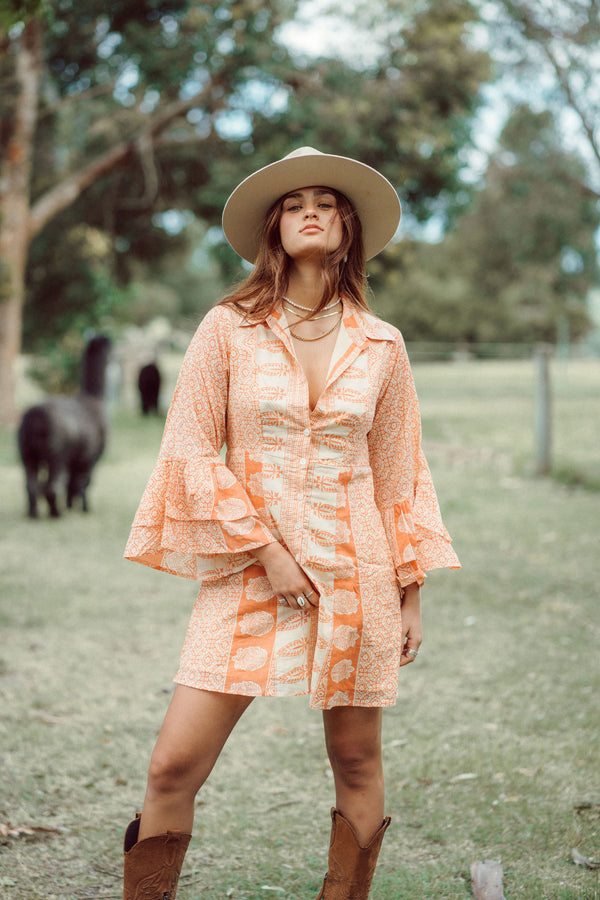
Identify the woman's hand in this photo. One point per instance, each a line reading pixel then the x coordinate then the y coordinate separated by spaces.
pixel 412 633
pixel 287 579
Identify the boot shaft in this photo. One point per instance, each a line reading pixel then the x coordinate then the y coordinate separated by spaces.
pixel 151 867
pixel 351 866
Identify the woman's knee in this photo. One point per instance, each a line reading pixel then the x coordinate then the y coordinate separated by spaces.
pixel 172 772
pixel 355 761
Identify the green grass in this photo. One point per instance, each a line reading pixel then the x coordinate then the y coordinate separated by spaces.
pixel 505 690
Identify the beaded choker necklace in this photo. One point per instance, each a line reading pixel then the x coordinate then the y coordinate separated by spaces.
pixel 310 308
pixel 323 315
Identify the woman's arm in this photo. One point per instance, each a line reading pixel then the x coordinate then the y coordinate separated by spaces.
pixel 412 633
pixel 285 576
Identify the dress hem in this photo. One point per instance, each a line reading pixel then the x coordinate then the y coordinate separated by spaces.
pixel 178 679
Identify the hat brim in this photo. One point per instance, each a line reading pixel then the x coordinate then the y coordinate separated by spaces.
pixel 373 197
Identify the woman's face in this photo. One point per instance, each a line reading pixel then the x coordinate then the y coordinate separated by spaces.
pixel 310 223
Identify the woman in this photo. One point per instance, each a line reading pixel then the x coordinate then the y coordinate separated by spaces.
pixel 312 540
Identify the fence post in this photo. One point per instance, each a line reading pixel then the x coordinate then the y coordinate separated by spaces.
pixel 543 409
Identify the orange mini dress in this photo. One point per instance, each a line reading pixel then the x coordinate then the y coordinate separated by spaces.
pixel 344 486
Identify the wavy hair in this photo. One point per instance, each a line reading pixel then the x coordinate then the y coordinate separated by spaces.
pixel 342 271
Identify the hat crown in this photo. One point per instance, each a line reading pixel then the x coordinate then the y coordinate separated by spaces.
pixel 370 193
pixel 303 151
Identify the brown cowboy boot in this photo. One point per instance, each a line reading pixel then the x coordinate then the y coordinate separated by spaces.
pixel 351 866
pixel 152 866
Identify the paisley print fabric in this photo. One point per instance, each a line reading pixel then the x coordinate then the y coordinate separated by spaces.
pixel 344 486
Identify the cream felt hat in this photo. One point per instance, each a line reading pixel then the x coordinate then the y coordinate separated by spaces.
pixel 372 196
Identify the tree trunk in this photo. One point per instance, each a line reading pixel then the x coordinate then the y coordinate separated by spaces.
pixel 20 222
pixel 15 173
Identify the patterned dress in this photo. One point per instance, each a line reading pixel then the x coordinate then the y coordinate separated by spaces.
pixel 344 486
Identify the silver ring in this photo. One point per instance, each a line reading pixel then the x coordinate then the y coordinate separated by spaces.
pixel 300 601
pixel 310 593
pixel 283 601
pixel 413 653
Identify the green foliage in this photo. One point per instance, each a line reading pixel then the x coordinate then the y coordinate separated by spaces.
pixel 519 265
pixel 408 114
pixel 15 12
pixel 71 286
pixel 58 371
pixel 111 70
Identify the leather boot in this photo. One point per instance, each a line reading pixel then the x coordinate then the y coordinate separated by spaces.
pixel 351 867
pixel 152 866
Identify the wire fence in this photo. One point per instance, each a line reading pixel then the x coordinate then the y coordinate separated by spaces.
pixel 440 351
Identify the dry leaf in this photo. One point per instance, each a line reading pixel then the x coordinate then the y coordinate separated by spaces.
pixel 8 830
pixel 464 776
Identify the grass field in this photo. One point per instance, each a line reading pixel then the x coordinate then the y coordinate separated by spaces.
pixel 491 752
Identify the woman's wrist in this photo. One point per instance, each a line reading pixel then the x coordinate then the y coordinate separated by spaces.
pixel 267 551
pixel 411 593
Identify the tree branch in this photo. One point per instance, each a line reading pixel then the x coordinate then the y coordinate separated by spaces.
pixel 563 80
pixel 95 91
pixel 542 36
pixel 66 192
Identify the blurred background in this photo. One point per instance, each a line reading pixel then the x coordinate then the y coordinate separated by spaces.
pixel 125 126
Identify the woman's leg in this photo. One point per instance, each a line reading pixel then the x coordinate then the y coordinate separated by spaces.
pixel 194 731
pixel 353 741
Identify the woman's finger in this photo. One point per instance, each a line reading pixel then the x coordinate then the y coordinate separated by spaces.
pixel 409 653
pixel 300 599
pixel 312 596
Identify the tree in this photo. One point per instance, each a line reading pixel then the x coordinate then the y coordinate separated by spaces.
pixel 129 87
pixel 120 112
pixel 409 110
pixel 519 265
pixel 551 47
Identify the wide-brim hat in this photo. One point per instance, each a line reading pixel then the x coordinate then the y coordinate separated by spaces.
pixel 372 196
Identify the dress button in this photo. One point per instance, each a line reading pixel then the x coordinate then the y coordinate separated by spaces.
pixel 302 461
pixel 307 431
pixel 299 496
pixel 298 525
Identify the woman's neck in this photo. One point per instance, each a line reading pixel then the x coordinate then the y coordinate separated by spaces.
pixel 305 285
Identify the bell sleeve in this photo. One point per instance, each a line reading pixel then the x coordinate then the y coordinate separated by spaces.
pixel 195 518
pixel 403 487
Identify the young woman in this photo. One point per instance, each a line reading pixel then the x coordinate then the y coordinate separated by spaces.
pixel 312 538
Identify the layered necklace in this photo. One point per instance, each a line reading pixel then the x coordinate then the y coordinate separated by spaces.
pixel 324 314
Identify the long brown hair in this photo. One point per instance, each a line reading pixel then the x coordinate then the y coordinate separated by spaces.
pixel 343 270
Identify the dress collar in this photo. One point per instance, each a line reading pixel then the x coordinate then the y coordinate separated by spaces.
pixel 359 324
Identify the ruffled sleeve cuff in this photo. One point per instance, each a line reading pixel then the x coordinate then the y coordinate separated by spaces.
pixel 195 520
pixel 416 548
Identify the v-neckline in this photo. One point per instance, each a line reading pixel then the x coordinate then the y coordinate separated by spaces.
pixel 332 358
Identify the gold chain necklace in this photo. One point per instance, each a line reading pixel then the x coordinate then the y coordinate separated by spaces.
pixel 320 337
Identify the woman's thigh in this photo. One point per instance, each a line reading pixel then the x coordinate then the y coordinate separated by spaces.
pixel 195 729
